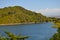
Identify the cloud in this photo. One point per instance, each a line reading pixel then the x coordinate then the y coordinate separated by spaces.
pixel 55 12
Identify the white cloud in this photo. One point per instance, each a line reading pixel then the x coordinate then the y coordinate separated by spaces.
pixel 51 12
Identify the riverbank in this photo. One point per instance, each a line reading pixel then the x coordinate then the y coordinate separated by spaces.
pixel 57 25
pixel 20 23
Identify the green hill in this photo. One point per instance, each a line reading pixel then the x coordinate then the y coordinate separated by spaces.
pixel 18 14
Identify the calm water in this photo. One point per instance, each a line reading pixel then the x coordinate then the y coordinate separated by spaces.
pixel 36 31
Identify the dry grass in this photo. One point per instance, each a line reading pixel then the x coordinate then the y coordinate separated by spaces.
pixel 57 25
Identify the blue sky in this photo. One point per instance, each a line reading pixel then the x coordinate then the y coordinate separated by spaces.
pixel 34 5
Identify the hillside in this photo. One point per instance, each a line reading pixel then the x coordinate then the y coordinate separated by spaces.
pixel 18 14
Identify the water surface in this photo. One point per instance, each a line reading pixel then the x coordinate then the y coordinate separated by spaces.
pixel 36 31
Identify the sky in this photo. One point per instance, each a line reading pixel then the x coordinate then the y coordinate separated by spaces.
pixel 46 7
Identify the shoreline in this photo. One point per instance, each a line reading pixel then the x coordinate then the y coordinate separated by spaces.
pixel 20 23
pixel 11 24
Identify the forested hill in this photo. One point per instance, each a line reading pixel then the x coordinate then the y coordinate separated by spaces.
pixel 18 14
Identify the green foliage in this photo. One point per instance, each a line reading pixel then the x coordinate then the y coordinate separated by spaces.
pixel 13 37
pixel 56 36
pixel 18 14
pixel 54 19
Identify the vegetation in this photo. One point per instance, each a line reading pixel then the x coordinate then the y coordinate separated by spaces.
pixel 56 36
pixel 13 37
pixel 18 14
pixel 54 19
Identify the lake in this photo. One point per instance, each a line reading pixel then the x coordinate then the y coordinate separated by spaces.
pixel 36 31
